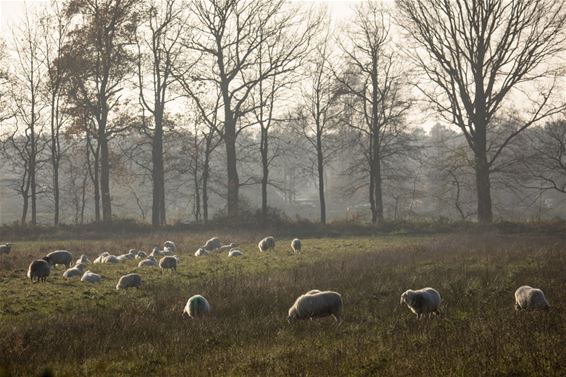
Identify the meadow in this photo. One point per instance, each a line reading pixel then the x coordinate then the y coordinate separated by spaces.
pixel 69 328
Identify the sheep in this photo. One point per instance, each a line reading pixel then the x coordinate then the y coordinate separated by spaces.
pixel 316 304
pixel 39 269
pixel 129 281
pixel 60 257
pixel 91 277
pixel 141 255
pixel 168 262
pixel 110 259
pixel 82 260
pixel 101 257
pixel 201 252
pixel 124 257
pixel 156 252
pixel 75 271
pixel 529 298
pixel 266 244
pixel 312 292
pixel 170 245
pixel 228 247
pixel 235 253
pixel 196 306
pixel 296 246
pixel 5 248
pixel 149 262
pixel 212 244
pixel 422 301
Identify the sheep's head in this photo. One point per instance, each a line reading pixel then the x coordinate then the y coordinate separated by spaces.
pixel 48 260
pixel 406 297
pixel 292 315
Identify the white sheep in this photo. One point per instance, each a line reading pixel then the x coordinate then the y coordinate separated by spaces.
pixel 125 257
pixel 149 262
pixel 5 248
pixel 82 260
pixel 129 281
pixel 110 259
pixel 155 252
pixel 422 301
pixel 39 269
pixel 168 263
pixel 228 247
pixel 266 244
pixel 91 277
pixel 196 306
pixel 296 246
pixel 235 253
pixel 141 255
pixel 63 257
pixel 201 252
pixel 75 271
pixel 529 298
pixel 101 257
pixel 316 304
pixel 170 245
pixel 212 244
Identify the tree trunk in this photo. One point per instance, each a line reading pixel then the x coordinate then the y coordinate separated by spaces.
pixel 483 189
pixel 205 173
pixel 105 179
pixel 265 172
pixel 233 181
pixel 157 209
pixel 320 163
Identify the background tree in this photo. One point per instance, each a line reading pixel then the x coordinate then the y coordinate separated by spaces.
pixel 478 55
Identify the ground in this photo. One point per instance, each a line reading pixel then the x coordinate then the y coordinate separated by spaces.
pixel 69 328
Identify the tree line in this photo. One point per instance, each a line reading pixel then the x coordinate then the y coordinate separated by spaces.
pixel 223 95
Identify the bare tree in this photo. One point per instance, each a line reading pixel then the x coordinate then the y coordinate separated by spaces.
pixel 229 35
pixel 376 81
pixel 159 47
pixel 480 54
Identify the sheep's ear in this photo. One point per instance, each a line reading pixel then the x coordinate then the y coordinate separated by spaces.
pixel 402 299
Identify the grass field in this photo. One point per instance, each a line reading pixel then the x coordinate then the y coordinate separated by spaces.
pixel 74 329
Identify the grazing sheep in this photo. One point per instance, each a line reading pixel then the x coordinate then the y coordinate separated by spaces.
pixel 82 260
pixel 101 257
pixel 124 257
pixel 316 304
pixel 228 247
pixel 422 301
pixel 168 263
pixel 156 252
pixel 141 254
pixel 149 262
pixel 212 244
pixel 201 252
pixel 196 306
pixel 235 253
pixel 129 281
pixel 529 298
pixel 60 257
pixel 110 259
pixel 39 269
pixel 296 246
pixel 75 271
pixel 91 277
pixel 170 245
pixel 5 248
pixel 266 244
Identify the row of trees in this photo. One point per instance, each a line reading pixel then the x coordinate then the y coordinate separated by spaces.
pixel 108 82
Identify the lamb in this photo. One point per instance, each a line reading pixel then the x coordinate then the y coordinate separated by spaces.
pixel 316 304
pixel 422 301
pixel 296 246
pixel 74 272
pixel 235 253
pixel 129 281
pixel 212 244
pixel 141 254
pixel 170 245
pixel 39 269
pixel 5 248
pixel 196 306
pixel 60 257
pixel 266 244
pixel 168 262
pixel 149 262
pixel 529 298
pixel 101 257
pixel 91 277
pixel 82 260
pixel 201 252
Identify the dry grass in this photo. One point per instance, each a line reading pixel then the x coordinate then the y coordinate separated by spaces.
pixel 75 330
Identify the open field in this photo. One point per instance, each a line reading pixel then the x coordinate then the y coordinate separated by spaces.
pixel 75 329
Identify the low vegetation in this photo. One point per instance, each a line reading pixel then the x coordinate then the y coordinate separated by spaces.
pixel 69 328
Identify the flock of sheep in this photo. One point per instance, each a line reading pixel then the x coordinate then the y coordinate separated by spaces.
pixel 313 304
